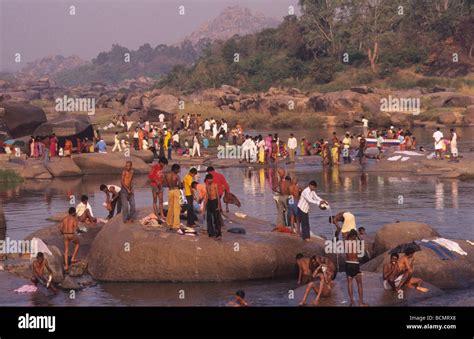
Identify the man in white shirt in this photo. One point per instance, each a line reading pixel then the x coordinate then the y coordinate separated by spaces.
pixel 246 149
pixel 196 146
pixel 308 196
pixel 365 126
pixel 292 145
pixel 117 143
pixel 438 143
pixel 454 145
pixel 207 125
pixel 161 117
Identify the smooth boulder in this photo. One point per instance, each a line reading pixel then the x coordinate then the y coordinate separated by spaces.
pixel 391 235
pixel 133 253
pixel 64 167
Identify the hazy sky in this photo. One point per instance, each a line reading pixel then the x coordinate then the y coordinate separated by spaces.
pixel 38 28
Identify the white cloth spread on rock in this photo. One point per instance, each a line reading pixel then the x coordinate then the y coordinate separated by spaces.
pixel 26 289
pixel 450 245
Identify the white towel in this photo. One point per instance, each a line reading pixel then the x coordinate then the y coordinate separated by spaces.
pixel 26 289
pixel 405 158
pixel 450 245
pixel 395 158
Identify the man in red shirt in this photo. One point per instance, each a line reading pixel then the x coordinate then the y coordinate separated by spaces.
pixel 221 182
pixel 156 182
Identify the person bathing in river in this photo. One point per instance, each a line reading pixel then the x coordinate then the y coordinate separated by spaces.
pixel 324 273
pixel 84 211
pixel 37 267
pixel 239 300
pixel 68 229
pixel 304 270
pixel 348 223
pixel 112 199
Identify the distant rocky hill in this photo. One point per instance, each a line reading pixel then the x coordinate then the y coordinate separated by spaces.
pixel 49 66
pixel 231 21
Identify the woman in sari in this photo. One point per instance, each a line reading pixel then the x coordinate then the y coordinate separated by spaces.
pixel 53 145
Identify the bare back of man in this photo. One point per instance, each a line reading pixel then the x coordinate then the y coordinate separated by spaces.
pixel 68 230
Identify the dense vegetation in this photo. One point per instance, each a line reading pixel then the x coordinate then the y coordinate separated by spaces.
pixel 368 39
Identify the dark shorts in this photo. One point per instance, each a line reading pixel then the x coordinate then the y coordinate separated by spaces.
pixel 156 189
pixel 352 269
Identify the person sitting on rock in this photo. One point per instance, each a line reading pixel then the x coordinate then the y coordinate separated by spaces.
pixel 38 266
pixel 325 274
pixel 391 273
pixel 84 211
pixel 405 266
pixel 239 300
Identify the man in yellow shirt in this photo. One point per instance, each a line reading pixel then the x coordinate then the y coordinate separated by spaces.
pixel 348 223
pixel 189 193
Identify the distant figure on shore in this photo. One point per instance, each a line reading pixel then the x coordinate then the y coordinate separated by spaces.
pixel 438 143
pixel 293 199
pixel 292 146
pixel 84 211
pixel 112 199
pixel 37 267
pixel 353 271
pixel 68 229
pixel 454 145
pixel 174 208
pixel 239 300
pixel 156 183
pixel 126 193
pixel 362 149
pixel 116 143
pixel 212 206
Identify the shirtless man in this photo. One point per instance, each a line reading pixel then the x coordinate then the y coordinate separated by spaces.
pixel 212 206
pixel 391 273
pixel 156 182
pixel 174 208
pixel 353 271
pixel 325 274
pixel 281 198
pixel 304 274
pixel 239 300
pixel 68 230
pixel 294 195
pixel 38 266
pixel 126 193
pixel 405 266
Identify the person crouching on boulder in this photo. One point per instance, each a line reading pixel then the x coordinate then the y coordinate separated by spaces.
pixel 239 300
pixel 38 266
pixel 325 274
pixel 84 211
pixel 405 266
pixel 391 273
pixel 304 274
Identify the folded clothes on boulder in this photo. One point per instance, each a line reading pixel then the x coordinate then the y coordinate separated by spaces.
pixel 450 245
pixel 282 229
pixel 150 220
pixel 237 230
pixel 434 248
pixel 26 289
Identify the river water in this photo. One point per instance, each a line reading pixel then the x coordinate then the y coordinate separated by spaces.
pixel 375 199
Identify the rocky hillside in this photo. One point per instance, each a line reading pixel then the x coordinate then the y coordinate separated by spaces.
pixel 49 66
pixel 231 21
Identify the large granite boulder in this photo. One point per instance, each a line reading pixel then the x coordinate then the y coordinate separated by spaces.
pixel 130 252
pixel 64 167
pixel 21 119
pixel 447 118
pixel 345 101
pixel 108 163
pixel 36 171
pixel 391 235
pixel 468 118
pixel 165 103
pixel 457 272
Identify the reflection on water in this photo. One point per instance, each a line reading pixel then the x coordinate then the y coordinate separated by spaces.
pixel 373 198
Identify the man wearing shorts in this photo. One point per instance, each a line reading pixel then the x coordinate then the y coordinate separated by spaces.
pixel 68 230
pixel 353 271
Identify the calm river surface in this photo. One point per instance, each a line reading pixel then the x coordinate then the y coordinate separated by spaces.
pixel 373 198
